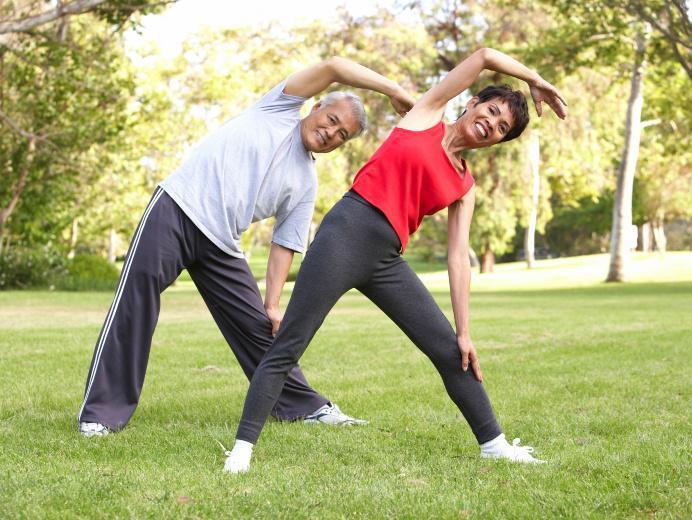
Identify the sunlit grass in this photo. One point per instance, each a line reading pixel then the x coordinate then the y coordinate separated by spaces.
pixel 595 375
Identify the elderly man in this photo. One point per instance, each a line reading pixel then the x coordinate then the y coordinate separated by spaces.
pixel 257 165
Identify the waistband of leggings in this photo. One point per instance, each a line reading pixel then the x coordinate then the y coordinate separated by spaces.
pixel 352 194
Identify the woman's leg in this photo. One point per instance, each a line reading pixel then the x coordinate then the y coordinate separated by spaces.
pixel 337 261
pixel 397 290
pixel 233 298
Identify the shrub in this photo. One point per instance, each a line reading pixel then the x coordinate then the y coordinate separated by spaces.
pixel 24 268
pixel 88 273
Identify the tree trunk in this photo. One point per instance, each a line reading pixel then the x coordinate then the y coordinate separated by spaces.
pixel 112 245
pixel 660 240
pixel 473 258
pixel 645 234
pixel 487 260
pixel 622 207
pixel 530 235
pixel 74 236
pixel 18 189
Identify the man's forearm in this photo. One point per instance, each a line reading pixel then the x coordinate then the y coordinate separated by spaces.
pixel 352 74
pixel 314 79
pixel 278 266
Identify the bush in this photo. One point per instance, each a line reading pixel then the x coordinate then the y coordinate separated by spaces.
pixel 24 268
pixel 89 273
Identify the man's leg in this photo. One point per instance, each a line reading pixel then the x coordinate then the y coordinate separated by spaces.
pixel 157 254
pixel 398 291
pixel 233 298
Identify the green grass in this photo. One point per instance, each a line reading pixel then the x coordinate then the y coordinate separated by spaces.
pixel 595 376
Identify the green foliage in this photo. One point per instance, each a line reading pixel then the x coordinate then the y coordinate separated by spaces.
pixel 26 268
pixel 581 229
pixel 111 125
pixel 88 273
pixel 73 95
pixel 584 228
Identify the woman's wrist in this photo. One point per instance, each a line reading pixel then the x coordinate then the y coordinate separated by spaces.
pixel 535 79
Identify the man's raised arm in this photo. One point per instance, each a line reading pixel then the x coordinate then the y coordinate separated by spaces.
pixel 316 78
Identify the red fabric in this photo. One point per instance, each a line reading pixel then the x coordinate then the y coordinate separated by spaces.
pixel 410 176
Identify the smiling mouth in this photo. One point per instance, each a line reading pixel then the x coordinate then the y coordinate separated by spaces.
pixel 322 139
pixel 481 130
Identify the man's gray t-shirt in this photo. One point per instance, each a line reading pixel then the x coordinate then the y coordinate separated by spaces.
pixel 253 167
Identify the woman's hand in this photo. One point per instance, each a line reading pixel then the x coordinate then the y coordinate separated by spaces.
pixel 541 91
pixel 402 102
pixel 469 356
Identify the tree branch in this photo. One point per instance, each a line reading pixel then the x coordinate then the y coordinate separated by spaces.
pixel 668 32
pixel 28 23
pixel 19 187
pixel 22 56
pixel 29 135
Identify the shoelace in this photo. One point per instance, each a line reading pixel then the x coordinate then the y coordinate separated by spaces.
pixel 527 450
pixel 223 448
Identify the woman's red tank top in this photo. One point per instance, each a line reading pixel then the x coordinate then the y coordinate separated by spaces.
pixel 410 176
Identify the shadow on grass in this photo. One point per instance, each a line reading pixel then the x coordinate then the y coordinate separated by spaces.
pixel 630 289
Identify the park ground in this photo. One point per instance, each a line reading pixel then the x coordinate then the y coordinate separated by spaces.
pixel 596 376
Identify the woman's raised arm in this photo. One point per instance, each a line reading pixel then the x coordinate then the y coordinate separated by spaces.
pixel 429 109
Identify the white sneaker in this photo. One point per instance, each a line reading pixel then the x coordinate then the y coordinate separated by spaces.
pixel 238 459
pixel 93 429
pixel 499 448
pixel 331 414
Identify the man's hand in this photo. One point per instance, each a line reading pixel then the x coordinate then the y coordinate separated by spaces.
pixel 541 91
pixel 402 102
pixel 275 316
pixel 469 356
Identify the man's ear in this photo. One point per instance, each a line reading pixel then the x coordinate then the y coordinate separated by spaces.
pixel 316 107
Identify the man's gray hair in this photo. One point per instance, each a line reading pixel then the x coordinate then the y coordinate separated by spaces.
pixel 356 106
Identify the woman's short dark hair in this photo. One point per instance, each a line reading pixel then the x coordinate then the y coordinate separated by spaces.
pixel 517 106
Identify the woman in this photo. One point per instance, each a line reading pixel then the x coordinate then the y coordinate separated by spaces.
pixel 417 171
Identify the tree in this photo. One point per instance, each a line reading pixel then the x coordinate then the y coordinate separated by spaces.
pixel 58 97
pixel 620 235
pixel 26 17
pixel 612 35
pixel 533 146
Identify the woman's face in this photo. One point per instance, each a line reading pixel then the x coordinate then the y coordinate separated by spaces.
pixel 484 124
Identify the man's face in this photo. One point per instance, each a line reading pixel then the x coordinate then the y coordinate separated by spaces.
pixel 328 127
pixel 485 124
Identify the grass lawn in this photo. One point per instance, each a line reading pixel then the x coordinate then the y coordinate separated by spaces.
pixel 595 376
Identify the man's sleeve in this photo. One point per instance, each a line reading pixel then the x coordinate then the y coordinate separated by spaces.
pixel 292 230
pixel 276 102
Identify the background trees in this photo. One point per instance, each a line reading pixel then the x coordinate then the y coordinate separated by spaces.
pixel 90 125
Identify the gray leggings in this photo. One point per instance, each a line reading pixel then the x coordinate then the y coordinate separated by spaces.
pixel 356 247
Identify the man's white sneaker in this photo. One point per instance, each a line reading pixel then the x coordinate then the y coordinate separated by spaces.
pixel 499 448
pixel 238 459
pixel 93 429
pixel 331 414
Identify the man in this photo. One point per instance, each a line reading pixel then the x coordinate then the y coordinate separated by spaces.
pixel 257 165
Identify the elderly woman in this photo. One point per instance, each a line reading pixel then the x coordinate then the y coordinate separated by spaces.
pixel 417 171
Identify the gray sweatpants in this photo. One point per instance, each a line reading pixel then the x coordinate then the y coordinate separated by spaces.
pixel 166 242
pixel 356 247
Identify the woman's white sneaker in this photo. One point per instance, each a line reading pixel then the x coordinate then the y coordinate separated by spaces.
pixel 238 459
pixel 499 448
